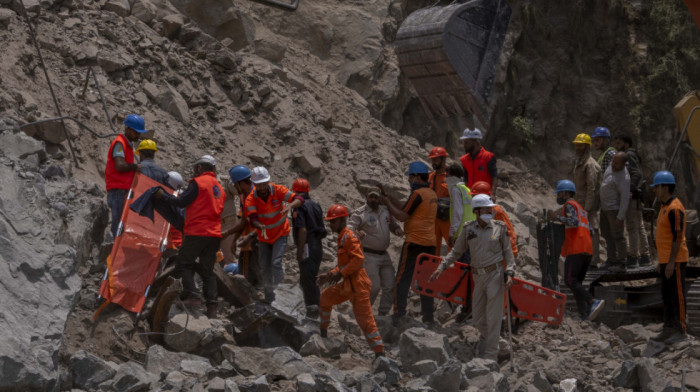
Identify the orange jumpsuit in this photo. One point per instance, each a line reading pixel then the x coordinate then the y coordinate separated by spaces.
pixel 500 214
pixel 438 183
pixel 355 287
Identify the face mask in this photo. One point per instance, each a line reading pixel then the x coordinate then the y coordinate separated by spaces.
pixel 373 204
pixel 486 217
pixel 561 200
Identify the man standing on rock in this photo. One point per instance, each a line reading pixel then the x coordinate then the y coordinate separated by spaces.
pixel 121 167
pixel 487 241
pixel 587 181
pixel 438 183
pixel 203 201
pixel 673 257
pixel 418 215
pixel 267 213
pixel 479 164
pixel 614 201
pixel 147 152
pixel 499 214
pixel 373 224
pixel 349 281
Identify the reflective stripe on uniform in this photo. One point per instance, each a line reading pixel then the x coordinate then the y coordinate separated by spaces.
pixel 376 343
pixel 272 226
pixel 288 195
pixel 270 214
pixel 372 335
pixel 251 208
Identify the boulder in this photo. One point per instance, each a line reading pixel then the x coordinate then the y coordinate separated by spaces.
pixel 161 362
pixel 172 102
pixel 306 383
pixel 230 385
pixel 423 368
pixel 277 363
pixel 650 379
pixel 389 367
pixel 626 376
pixel 89 371
pixel 417 344
pixel 172 24
pixel 6 16
pixel 493 381
pixel 447 377
pixel 196 368
pixel 114 61
pixel 479 367
pixel 119 7
pixel 632 333
pixel 20 145
pixel 541 382
pixel 309 164
pixel 348 324
pixel 203 336
pixel 269 49
pixel 258 384
pixel 132 377
pixel 144 10
pixel 323 347
pixel 217 384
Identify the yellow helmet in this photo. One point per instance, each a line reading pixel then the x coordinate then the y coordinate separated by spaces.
pixel 582 138
pixel 147 145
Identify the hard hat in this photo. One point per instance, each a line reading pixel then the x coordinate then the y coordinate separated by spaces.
pixel 239 173
pixel 663 177
pixel 565 186
pixel 480 188
pixel 417 167
pixel 147 145
pixel 601 132
pixel 206 159
pixel 479 201
pixel 471 134
pixel 374 191
pixel 175 179
pixel 301 185
pixel 336 211
pixel 582 138
pixel 259 175
pixel 135 122
pixel 438 152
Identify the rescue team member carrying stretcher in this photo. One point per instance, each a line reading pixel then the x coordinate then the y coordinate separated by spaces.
pixel 355 285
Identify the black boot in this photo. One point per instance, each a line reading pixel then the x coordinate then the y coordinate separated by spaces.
pixel 324 333
pixel 211 311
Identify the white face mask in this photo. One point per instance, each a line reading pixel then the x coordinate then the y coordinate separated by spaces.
pixel 486 217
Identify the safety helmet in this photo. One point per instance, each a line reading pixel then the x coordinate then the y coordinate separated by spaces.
pixel 135 122
pixel 259 175
pixel 175 179
pixel 565 186
pixel 301 185
pixel 336 211
pixel 582 138
pixel 663 177
pixel 480 201
pixel 480 188
pixel 471 134
pixel 601 132
pixel 206 159
pixel 147 144
pixel 239 173
pixel 417 167
pixel 438 152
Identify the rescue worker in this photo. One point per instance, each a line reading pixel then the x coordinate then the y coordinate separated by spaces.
pixel 460 200
pixel 638 245
pixel 147 152
pixel 203 201
pixel 267 213
pixel 601 142
pixel 418 215
pixel 348 281
pixel 308 231
pixel 437 182
pixel 479 164
pixel 121 167
pixel 175 181
pixel 673 258
pixel 373 224
pixel 614 201
pixel 577 249
pixel 586 176
pixel 499 214
pixel 488 243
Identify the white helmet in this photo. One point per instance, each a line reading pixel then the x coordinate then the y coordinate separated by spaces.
pixel 259 175
pixel 479 201
pixel 175 180
pixel 206 159
pixel 471 134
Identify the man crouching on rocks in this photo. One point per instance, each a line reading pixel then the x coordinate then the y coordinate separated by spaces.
pixel 355 285
pixel 489 245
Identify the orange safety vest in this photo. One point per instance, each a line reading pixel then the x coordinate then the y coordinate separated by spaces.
pixel 664 236
pixel 115 179
pixel 203 216
pixel 420 225
pixel 577 240
pixel 476 168
pixel 270 211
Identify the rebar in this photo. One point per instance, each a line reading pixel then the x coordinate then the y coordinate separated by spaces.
pixel 102 98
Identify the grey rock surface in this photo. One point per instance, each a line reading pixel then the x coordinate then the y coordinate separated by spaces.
pixel 417 344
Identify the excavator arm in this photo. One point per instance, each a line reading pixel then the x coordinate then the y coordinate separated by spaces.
pixel 290 5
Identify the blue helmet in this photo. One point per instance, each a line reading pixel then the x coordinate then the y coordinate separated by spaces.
pixel 417 167
pixel 663 177
pixel 601 132
pixel 135 122
pixel 239 173
pixel 565 186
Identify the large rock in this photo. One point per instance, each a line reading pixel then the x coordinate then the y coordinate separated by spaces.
pixel 160 361
pixel 277 363
pixel 89 371
pixel 447 377
pixel 323 347
pixel 172 102
pixel 114 61
pixel 417 344
pixel 494 381
pixel 19 145
pixel 202 336
pixel 6 16
pixel 390 368
pixel 132 377
pixel 650 379
pixel 632 333
pixel 144 10
pixel 308 163
pixel 479 367
pixel 626 376
pixel 119 7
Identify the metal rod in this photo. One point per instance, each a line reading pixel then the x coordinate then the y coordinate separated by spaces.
pixel 680 139
pixel 281 4
pixel 510 334
pixel 80 124
pixel 102 98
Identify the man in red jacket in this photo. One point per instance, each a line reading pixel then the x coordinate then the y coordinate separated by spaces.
pixel 479 164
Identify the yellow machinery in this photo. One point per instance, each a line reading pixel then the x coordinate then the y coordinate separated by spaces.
pixel 687 112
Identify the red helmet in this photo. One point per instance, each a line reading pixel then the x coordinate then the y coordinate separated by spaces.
pixel 438 152
pixel 336 211
pixel 480 188
pixel 301 185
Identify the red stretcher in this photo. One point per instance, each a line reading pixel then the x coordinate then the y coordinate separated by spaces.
pixel 528 300
pixel 133 263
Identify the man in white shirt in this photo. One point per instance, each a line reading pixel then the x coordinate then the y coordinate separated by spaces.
pixel 614 200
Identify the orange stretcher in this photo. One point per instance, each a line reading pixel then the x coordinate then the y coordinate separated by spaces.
pixel 528 300
pixel 133 263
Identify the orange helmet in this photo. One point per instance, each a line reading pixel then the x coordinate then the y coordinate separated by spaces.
pixel 480 188
pixel 336 211
pixel 438 152
pixel 301 185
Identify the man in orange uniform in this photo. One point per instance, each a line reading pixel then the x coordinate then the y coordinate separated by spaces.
pixel 267 213
pixel 203 201
pixel 673 257
pixel 121 167
pixel 438 183
pixel 483 188
pixel 479 164
pixel 577 249
pixel 355 285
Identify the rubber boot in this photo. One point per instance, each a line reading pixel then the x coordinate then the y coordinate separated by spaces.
pixel 644 261
pixel 211 311
pixel 324 333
